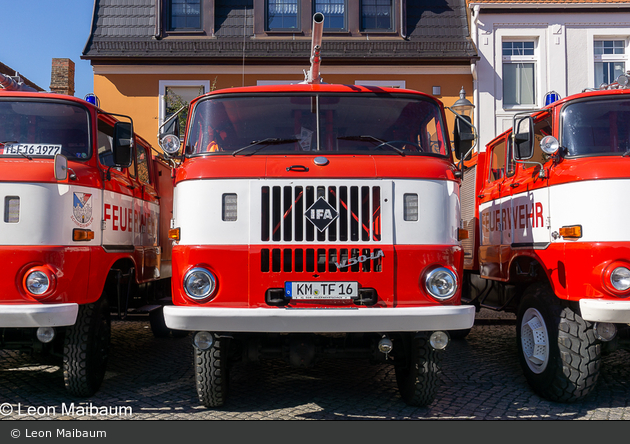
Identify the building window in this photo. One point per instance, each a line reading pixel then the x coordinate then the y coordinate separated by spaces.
pixel 334 12
pixel 176 93
pixel 377 15
pixel 609 56
pixel 519 73
pixel 282 15
pixel 184 15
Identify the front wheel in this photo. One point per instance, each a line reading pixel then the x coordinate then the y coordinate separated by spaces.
pixel 417 372
pixel 86 349
pixel 211 373
pixel 558 351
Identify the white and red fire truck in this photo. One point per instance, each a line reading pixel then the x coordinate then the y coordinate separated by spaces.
pixel 548 240
pixel 82 199
pixel 315 221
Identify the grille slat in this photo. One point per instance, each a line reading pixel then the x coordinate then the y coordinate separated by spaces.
pixel 358 213
pixel 321 260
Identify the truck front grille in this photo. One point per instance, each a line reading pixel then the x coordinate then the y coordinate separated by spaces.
pixel 283 216
pixel 321 260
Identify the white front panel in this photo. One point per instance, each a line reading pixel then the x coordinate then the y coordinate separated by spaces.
pixel 49 212
pixel 599 206
pixel 198 212
pixel 519 219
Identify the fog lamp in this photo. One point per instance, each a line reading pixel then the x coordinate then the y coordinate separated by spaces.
pixel 203 340
pixel 438 340
pixel 605 331
pixel 45 334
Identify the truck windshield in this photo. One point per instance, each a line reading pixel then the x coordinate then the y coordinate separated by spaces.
pixel 43 129
pixel 596 127
pixel 364 123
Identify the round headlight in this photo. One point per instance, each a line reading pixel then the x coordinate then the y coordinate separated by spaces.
pixel 170 143
pixel 441 283
pixel 549 145
pixel 37 283
pixel 199 283
pixel 620 278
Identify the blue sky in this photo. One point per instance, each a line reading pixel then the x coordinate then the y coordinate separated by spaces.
pixel 36 31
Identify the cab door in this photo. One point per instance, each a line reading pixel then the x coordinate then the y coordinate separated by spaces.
pixel 492 203
pixel 529 194
pixel 146 214
pixel 118 193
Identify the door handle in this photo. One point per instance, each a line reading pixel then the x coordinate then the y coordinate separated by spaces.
pixel 515 185
pixel 297 168
pixel 480 196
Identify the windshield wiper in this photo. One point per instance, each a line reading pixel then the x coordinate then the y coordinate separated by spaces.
pixel 368 138
pixel 627 153
pixel 264 143
pixel 11 142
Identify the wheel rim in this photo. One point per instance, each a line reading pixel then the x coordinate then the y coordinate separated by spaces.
pixel 535 340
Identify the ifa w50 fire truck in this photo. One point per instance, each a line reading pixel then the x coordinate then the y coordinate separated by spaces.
pixel 81 199
pixel 315 221
pixel 548 236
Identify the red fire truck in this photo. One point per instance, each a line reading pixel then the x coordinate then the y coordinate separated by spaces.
pixel 548 239
pixel 315 221
pixel 82 201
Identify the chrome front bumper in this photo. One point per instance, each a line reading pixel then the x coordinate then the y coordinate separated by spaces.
pixel 319 320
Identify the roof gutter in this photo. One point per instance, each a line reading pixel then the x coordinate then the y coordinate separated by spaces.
pixel 550 5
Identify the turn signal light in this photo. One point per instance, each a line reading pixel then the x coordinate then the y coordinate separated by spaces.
pixel 573 232
pixel 79 234
pixel 174 233
pixel 462 234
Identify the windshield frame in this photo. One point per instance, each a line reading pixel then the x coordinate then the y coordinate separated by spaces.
pixel 260 146
pixel 562 122
pixel 46 100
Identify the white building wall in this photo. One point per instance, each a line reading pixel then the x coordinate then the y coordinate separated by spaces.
pixel 563 56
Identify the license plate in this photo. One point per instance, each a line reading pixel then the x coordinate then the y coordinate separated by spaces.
pixel 321 290
pixel 35 149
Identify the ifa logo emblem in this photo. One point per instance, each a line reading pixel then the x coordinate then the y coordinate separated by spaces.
pixel 321 214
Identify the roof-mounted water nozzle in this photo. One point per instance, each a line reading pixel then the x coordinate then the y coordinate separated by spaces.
pixel 316 43
pixel 8 83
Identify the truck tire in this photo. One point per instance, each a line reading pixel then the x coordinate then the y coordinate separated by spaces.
pixel 158 325
pixel 211 373
pixel 159 328
pixel 418 371
pixel 459 334
pixel 86 348
pixel 558 351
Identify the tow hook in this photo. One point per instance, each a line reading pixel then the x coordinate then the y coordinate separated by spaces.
pixel 385 345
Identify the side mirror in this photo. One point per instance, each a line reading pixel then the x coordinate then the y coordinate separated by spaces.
pixel 523 138
pixel 463 135
pixel 123 144
pixel 171 127
pixel 61 167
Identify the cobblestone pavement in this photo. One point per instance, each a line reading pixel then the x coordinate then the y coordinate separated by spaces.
pixel 152 379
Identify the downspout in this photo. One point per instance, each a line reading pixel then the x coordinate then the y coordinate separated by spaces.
pixel 473 67
pixel 158 20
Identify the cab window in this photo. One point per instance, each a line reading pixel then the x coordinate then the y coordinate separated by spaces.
pixel 142 165
pixel 542 128
pixel 497 162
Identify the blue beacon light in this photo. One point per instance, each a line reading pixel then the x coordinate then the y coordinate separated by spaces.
pixel 91 98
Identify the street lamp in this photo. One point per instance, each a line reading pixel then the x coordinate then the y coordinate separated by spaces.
pixel 463 106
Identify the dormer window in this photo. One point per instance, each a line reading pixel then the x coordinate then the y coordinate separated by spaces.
pixel 184 15
pixel 282 15
pixel 376 15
